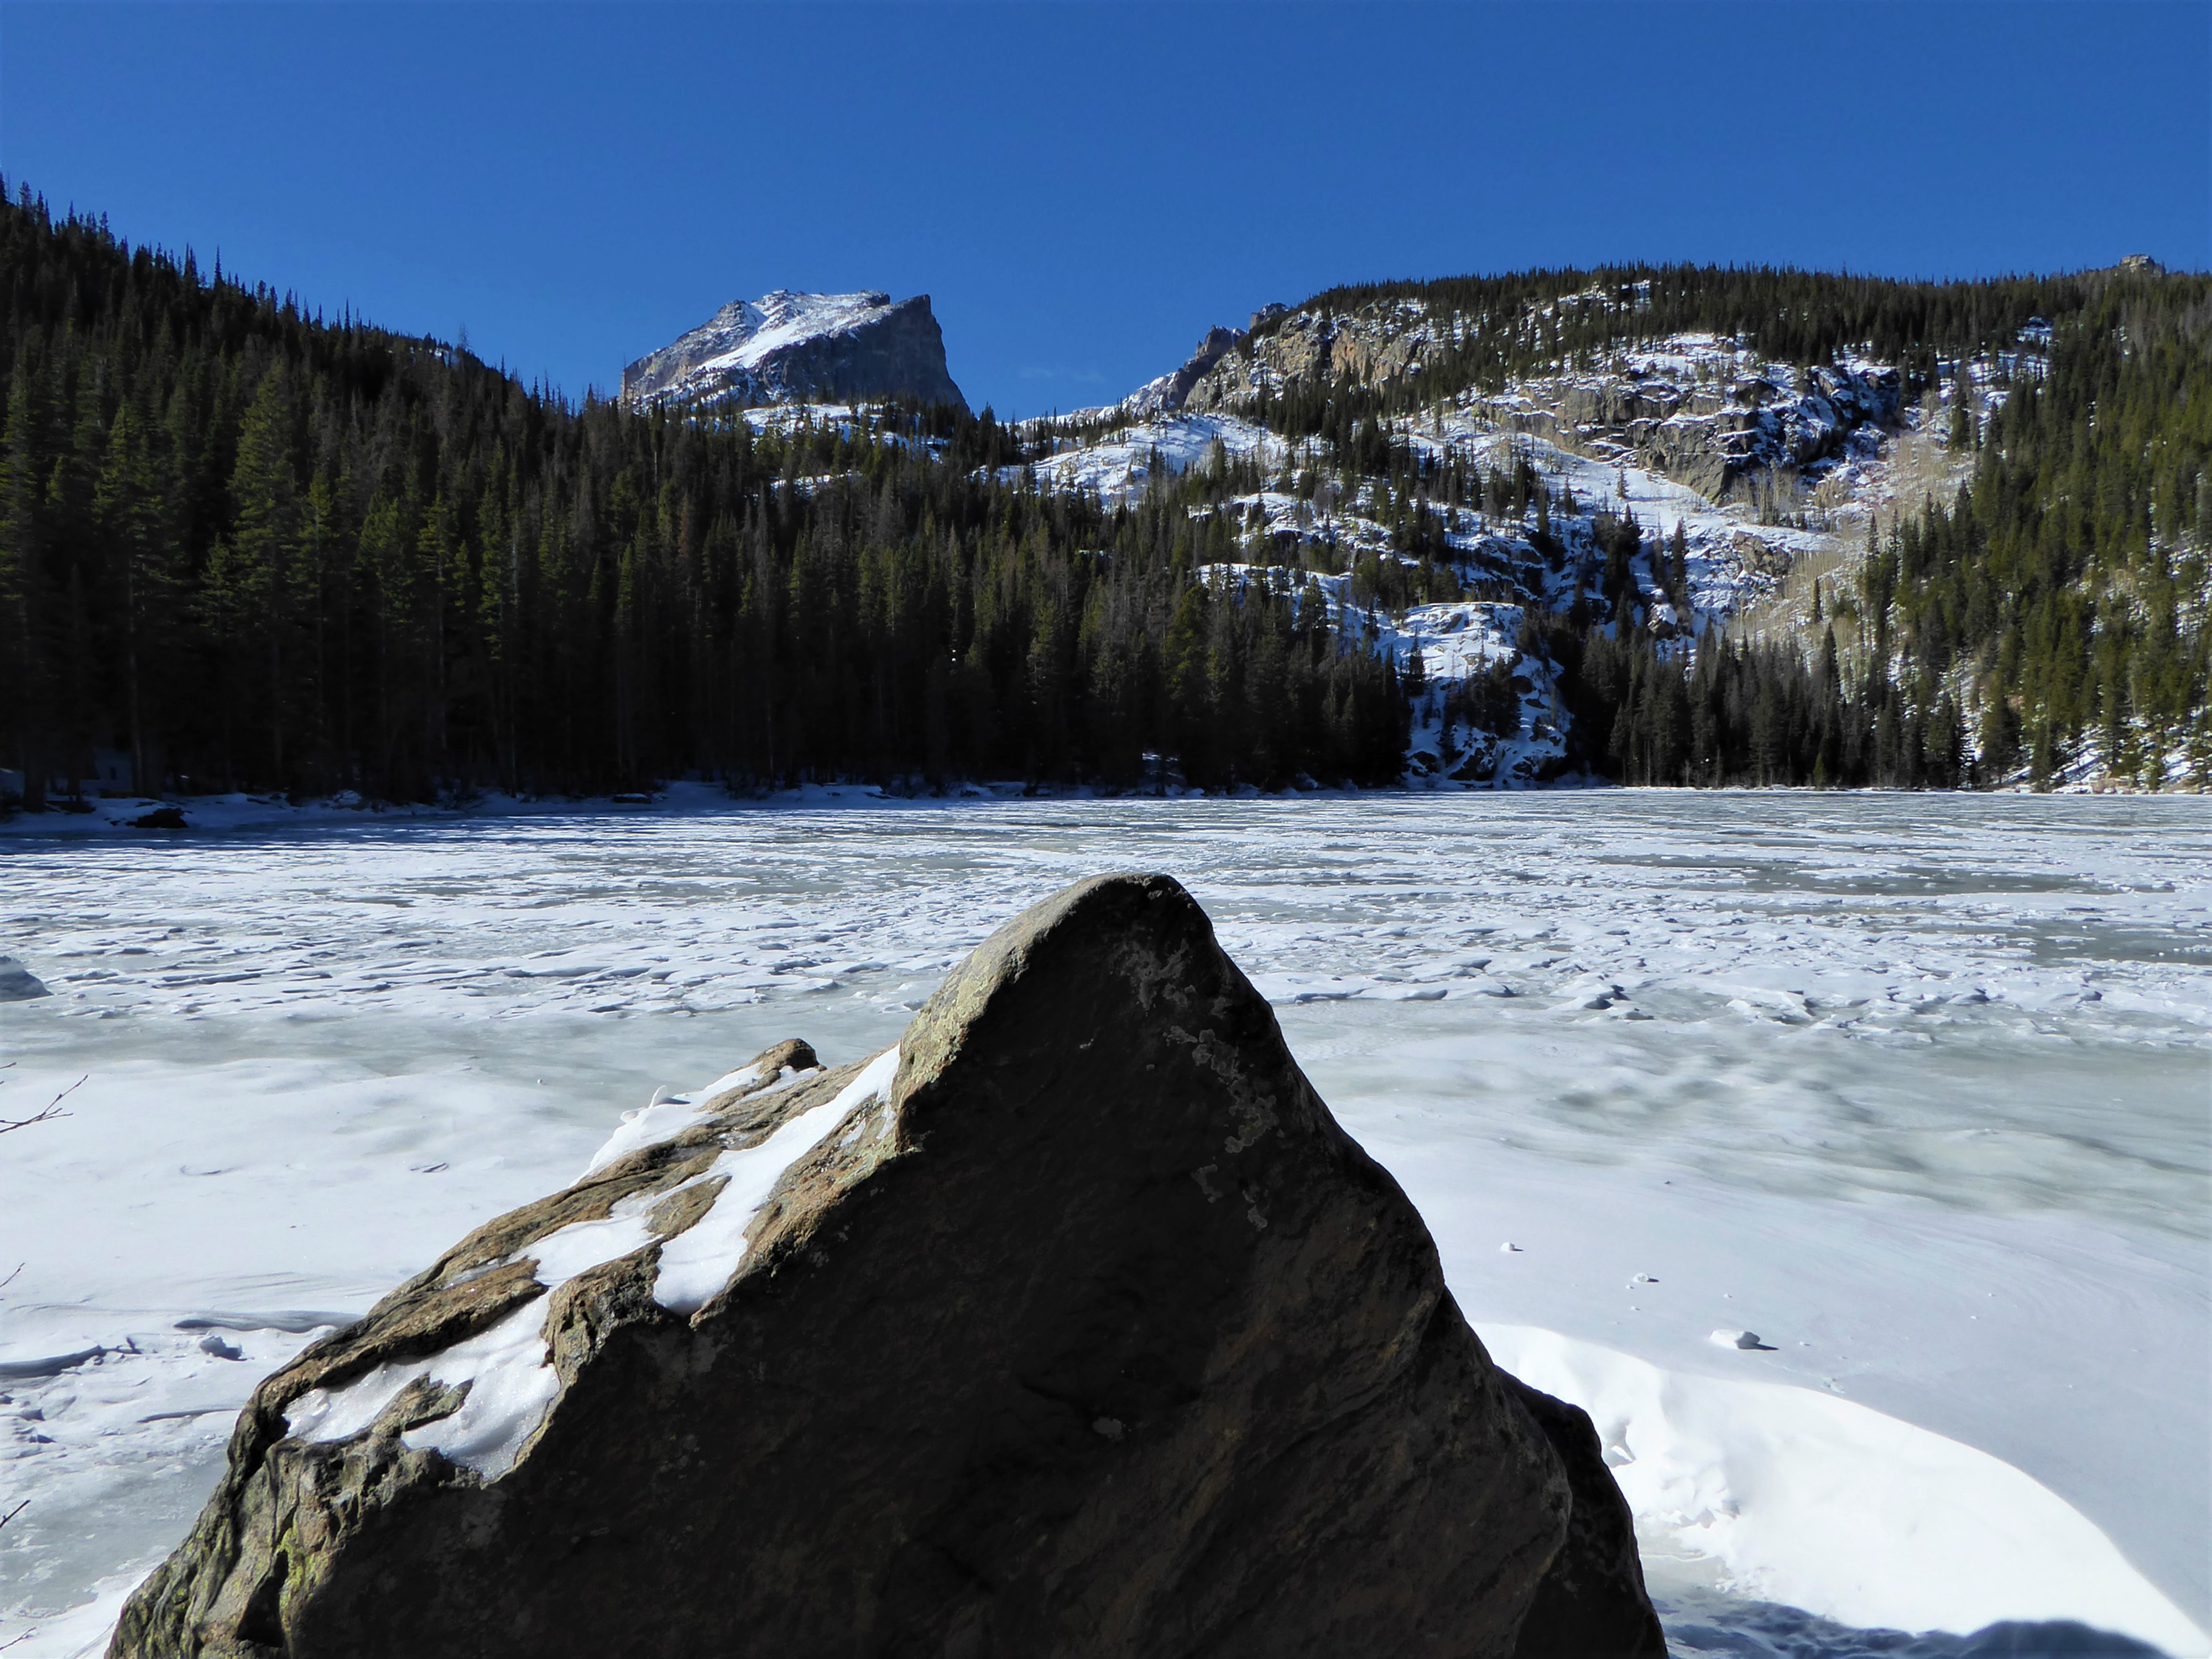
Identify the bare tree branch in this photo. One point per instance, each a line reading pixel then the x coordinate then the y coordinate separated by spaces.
pixel 51 1110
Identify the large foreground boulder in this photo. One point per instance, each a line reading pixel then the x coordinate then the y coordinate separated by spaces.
pixel 1072 1326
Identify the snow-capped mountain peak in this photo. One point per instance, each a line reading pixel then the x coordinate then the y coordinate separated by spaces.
pixel 753 328
pixel 791 347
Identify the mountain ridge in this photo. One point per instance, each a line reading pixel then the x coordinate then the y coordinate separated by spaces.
pixel 1805 458
pixel 1443 535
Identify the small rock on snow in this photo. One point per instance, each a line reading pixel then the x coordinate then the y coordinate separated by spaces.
pixel 18 983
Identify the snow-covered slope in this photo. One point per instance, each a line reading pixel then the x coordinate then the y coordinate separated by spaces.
pixel 802 348
pixel 1733 469
pixel 1120 466
pixel 1741 477
pixel 1705 410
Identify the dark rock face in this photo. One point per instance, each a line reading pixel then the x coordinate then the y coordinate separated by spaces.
pixel 18 983
pixel 1592 1601
pixel 1086 1331
pixel 1170 391
pixel 803 348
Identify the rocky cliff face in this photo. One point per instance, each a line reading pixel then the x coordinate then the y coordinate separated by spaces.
pixel 1304 346
pixel 1170 391
pixel 1695 408
pixel 1698 416
pixel 1683 473
pixel 802 348
pixel 1071 1326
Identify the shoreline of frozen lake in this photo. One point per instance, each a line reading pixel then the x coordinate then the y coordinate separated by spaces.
pixel 1913 1086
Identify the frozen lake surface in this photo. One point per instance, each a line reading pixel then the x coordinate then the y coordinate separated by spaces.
pixel 1916 1089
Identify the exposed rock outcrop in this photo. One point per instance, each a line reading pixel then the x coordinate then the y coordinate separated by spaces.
pixel 1170 391
pixel 1705 434
pixel 18 983
pixel 1291 348
pixel 1705 419
pixel 1072 1326
pixel 802 348
pixel 1167 393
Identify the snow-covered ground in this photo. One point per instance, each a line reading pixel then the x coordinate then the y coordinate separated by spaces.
pixel 1123 465
pixel 1914 1089
pixel 1732 557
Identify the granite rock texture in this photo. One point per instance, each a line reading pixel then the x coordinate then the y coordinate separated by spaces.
pixel 1086 1331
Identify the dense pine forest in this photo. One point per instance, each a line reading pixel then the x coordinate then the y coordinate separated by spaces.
pixel 250 548
pixel 2056 608
pixel 247 547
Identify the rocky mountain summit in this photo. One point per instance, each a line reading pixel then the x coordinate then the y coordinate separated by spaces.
pixel 1072 1325
pixel 786 347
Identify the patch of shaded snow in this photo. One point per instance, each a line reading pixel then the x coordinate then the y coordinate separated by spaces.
pixel 1796 1496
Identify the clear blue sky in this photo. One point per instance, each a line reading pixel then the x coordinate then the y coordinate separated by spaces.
pixel 1083 188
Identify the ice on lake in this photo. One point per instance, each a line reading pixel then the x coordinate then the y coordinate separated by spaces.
pixel 1917 1088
